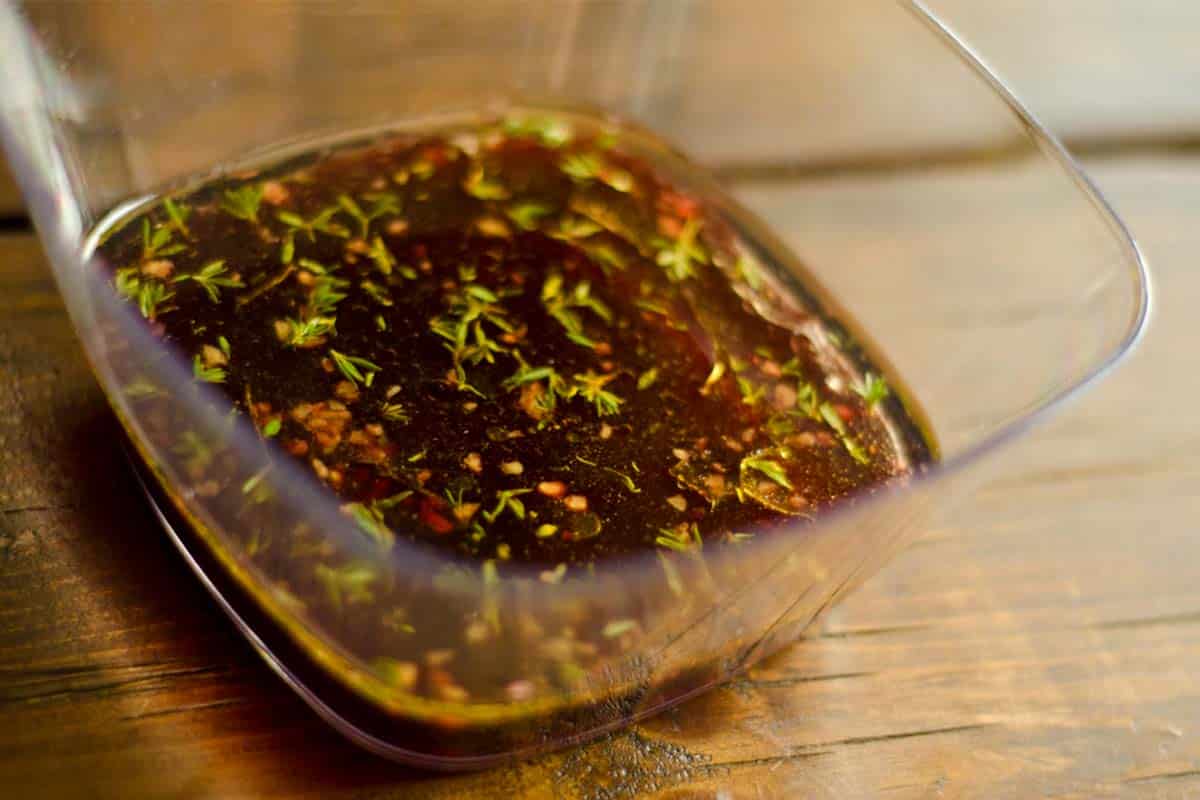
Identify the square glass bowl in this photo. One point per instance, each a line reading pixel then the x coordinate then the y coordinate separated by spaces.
pixel 860 135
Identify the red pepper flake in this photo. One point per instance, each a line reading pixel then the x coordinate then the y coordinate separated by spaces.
pixel 678 205
pixel 669 226
pixel 432 519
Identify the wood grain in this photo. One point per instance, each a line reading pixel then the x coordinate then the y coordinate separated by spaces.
pixel 1042 641
pixel 10 197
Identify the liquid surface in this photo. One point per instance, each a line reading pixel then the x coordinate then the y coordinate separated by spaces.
pixel 516 342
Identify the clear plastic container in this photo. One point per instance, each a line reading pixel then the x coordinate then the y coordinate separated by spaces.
pixel 108 104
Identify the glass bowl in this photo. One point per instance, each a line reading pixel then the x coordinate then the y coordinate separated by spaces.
pixel 862 137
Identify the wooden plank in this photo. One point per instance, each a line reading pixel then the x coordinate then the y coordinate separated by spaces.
pixel 1042 641
pixel 10 198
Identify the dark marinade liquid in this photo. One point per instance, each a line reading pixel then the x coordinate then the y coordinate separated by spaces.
pixel 514 343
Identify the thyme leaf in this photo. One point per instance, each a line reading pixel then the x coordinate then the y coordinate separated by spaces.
pixel 243 202
pixel 873 390
pixel 178 214
pixel 310 331
pixel 769 468
pixel 381 204
pixel 591 388
pixel 507 499
pixel 212 277
pixel 321 222
pixel 200 372
pixel 359 370
pixel 679 257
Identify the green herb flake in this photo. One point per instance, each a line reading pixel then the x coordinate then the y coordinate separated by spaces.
pixel 679 258
pixel 527 214
pixel 370 521
pixel 752 393
pixel 683 539
pixel 394 412
pixel 808 402
pixel 507 499
pixel 580 166
pixel 769 468
pixel 206 374
pixel 573 228
pixel 832 418
pixel 625 479
pixel 349 584
pixel 618 627
pixel 287 250
pixel 873 390
pixel 714 376
pixel 563 306
pixel 392 501
pixel 321 222
pixel 855 450
pixel 480 186
pixel 552 132
pixel 379 254
pixel 252 483
pixel 152 298
pixel 647 378
pixel 157 243
pixel 178 214
pixel 377 293
pixel 381 204
pixel 358 370
pixel 212 277
pixel 243 202
pixel 309 332
pixel 272 428
pixel 591 388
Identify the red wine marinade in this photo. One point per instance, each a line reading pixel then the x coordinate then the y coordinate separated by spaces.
pixel 516 342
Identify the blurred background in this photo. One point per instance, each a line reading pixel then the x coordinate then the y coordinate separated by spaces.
pixel 1102 74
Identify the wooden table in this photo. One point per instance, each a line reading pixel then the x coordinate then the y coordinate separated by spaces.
pixel 1045 640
